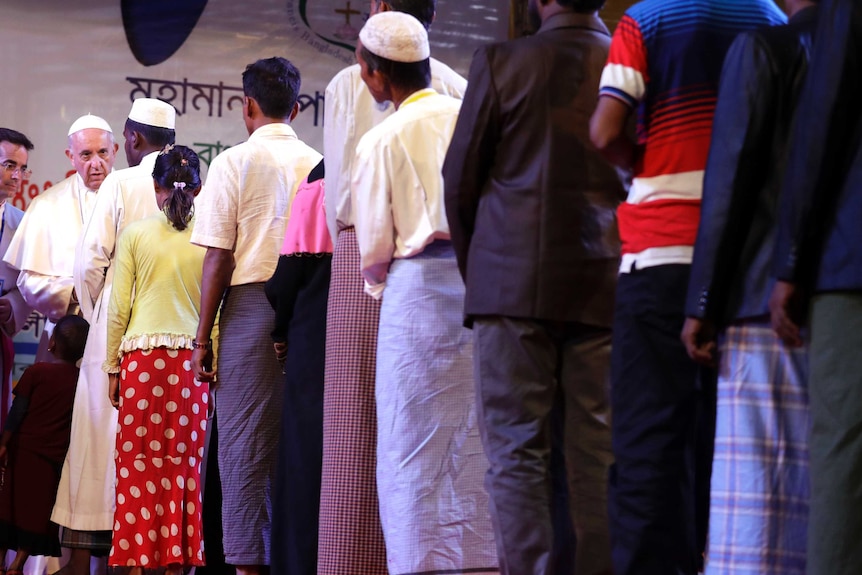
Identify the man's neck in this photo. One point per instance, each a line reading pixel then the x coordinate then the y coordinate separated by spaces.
pixel 796 6
pixel 401 94
pixel 258 123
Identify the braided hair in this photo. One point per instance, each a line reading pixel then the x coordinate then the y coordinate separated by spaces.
pixel 177 169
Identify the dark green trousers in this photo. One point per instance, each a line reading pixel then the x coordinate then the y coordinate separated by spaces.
pixel 835 523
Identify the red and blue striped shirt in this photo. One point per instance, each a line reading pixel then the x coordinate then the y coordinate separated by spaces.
pixel 665 61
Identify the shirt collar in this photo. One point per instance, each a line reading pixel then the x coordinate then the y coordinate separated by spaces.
pixel 574 20
pixel 418 95
pixel 81 185
pixel 274 129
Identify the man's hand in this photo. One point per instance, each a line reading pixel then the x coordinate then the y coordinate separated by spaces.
pixel 280 348
pixel 698 337
pixel 5 310
pixel 114 389
pixel 783 305
pixel 202 365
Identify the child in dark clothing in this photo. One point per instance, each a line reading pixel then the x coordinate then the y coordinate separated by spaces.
pixel 34 444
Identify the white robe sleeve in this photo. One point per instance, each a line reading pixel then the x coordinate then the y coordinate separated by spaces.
pixel 96 247
pixel 49 295
pixel 372 212
pixel 339 146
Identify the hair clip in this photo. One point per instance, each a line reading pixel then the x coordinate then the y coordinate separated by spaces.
pixel 166 149
pixel 179 185
pixel 184 162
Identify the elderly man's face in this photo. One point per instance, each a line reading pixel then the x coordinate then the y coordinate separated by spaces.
pixel 13 168
pixel 92 152
pixel 373 80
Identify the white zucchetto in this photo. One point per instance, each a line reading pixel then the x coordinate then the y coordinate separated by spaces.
pixel 153 112
pixel 396 36
pixel 87 122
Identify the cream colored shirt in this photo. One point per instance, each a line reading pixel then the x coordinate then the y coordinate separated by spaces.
pixel 245 202
pixel 350 111
pixel 156 294
pixel 397 184
pixel 43 248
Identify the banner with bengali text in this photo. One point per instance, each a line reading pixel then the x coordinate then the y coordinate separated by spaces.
pixel 62 60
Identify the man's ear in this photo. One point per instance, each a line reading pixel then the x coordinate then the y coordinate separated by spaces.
pixel 294 112
pixel 69 155
pixel 385 7
pixel 249 107
pixel 135 140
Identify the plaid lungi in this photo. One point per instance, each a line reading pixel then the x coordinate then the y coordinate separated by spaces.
pixel 350 538
pixel 430 460
pixel 759 492
pixel 98 542
pixel 248 394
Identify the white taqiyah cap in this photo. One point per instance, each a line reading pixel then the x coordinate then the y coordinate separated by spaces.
pixel 153 112
pixel 89 122
pixel 396 36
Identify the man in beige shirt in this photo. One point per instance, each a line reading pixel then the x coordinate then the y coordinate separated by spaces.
pixel 241 218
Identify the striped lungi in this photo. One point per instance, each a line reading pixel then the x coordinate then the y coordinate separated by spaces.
pixel 430 460
pixel 759 491
pixel 248 403
pixel 97 542
pixel 350 538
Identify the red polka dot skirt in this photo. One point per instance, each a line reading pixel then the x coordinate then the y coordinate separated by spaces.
pixel 160 443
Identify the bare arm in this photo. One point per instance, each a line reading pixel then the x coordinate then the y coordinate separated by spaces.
pixel 217 270
pixel 609 134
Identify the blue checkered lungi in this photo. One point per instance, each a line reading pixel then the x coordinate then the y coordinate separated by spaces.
pixel 760 490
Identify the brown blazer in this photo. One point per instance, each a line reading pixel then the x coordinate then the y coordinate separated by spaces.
pixel 531 204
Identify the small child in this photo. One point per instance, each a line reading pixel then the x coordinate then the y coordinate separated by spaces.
pixel 33 447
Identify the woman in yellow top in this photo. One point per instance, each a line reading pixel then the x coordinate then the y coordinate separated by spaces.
pixel 152 316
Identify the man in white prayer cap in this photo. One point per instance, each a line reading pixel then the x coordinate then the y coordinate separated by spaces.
pixel 43 248
pixel 430 464
pixel 350 536
pixel 85 499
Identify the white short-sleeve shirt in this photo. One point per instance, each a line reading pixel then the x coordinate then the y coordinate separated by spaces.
pixel 245 202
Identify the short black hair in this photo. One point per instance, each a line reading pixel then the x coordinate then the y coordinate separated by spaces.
pixel 412 76
pixel 583 6
pixel 422 10
pixel 155 136
pixel 15 137
pixel 274 84
pixel 178 165
pixel 70 335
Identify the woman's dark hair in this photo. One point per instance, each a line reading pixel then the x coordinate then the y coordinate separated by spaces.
pixel 178 170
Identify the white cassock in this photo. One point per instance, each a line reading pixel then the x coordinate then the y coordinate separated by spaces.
pixel 85 498
pixel 349 112
pixel 43 249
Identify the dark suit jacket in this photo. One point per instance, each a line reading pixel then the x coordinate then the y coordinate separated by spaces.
pixel 9 275
pixel 531 204
pixel 821 222
pixel 731 275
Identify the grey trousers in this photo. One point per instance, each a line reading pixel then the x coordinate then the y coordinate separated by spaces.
pixel 835 391
pixel 544 415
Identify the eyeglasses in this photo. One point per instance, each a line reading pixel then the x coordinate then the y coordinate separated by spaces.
pixel 12 167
